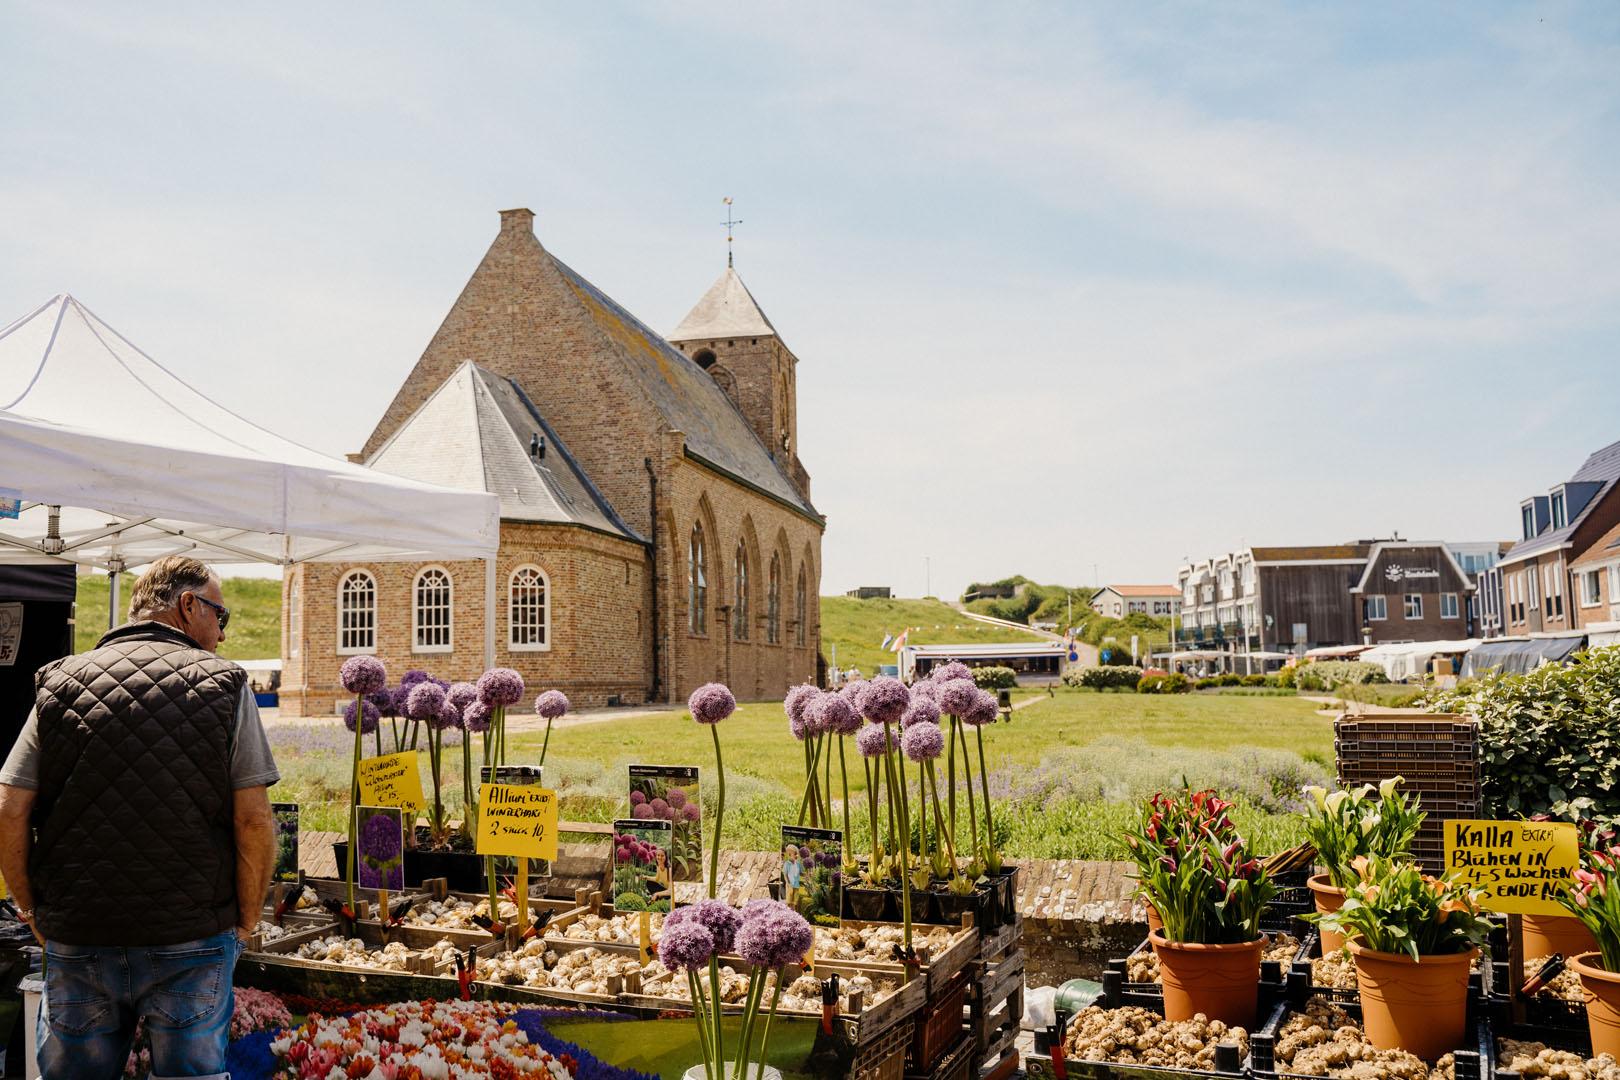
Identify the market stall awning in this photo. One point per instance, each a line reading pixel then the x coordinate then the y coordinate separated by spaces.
pixel 142 465
pixel 1514 656
pixel 1405 659
pixel 1336 652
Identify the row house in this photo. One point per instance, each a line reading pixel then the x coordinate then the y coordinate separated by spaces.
pixel 1563 574
pixel 1118 601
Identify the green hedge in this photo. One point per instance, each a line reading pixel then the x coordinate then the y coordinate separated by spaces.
pixel 1549 739
pixel 1326 674
pixel 995 678
pixel 1175 683
pixel 1108 677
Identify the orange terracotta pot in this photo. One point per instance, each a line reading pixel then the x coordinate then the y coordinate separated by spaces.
pixel 1417 1006
pixel 1156 923
pixel 1548 934
pixel 1328 899
pixel 1603 1010
pixel 1220 981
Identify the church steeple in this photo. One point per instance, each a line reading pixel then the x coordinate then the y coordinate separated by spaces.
pixel 728 335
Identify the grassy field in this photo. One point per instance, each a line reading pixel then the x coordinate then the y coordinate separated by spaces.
pixel 1065 772
pixel 857 627
pixel 255 604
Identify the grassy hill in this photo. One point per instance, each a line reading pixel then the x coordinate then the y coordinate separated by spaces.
pixel 857 628
pixel 255 604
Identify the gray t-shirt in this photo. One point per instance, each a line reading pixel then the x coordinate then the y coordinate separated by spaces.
pixel 251 762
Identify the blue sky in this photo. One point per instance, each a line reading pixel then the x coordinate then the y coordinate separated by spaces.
pixel 1069 284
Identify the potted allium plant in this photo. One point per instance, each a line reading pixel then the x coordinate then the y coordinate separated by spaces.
pixel 1373 823
pixel 1594 899
pixel 361 676
pixel 497 689
pixel 1210 893
pixel 884 701
pixel 1413 939
pixel 710 704
pixel 770 937
pixel 869 896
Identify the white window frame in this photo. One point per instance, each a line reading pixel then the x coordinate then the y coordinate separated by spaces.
pixel 1412 605
pixel 1449 600
pixel 295 612
pixel 1532 586
pixel 357 650
pixel 512 606
pixel 1557 509
pixel 1377 608
pixel 449 627
pixel 1594 596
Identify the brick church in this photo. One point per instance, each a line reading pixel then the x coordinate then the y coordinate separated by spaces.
pixel 656 524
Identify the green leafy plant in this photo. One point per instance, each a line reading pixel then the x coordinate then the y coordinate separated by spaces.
pixel 1197 871
pixel 1393 907
pixel 1174 683
pixel 1549 739
pixel 1283 678
pixel 1595 897
pixel 1345 826
pixel 1106 677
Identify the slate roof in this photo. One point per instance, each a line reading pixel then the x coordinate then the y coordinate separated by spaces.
pixel 1310 554
pixel 474 432
pixel 727 310
pixel 688 398
pixel 1602 467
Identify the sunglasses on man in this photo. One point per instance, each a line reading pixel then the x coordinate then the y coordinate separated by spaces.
pixel 221 612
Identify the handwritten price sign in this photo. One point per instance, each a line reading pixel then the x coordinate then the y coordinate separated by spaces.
pixel 520 821
pixel 392 780
pixel 1521 865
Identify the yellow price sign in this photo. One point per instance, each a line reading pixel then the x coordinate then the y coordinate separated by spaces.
pixel 392 780
pixel 1522 866
pixel 517 820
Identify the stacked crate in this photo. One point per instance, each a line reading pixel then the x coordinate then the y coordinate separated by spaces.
pixel 996 1000
pixel 1437 755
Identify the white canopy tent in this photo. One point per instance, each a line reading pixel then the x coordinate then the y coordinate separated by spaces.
pixel 112 461
pixel 1403 660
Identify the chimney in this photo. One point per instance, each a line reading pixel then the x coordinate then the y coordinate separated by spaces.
pixel 519 220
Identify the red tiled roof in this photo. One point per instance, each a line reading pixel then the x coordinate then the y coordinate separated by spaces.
pixel 1145 590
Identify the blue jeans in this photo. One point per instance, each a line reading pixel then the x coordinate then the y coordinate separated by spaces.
pixel 94 995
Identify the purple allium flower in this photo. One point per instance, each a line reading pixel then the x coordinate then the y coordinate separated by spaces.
pixel 380 840
pixel 873 741
pixel 795 705
pixel 500 686
pixel 384 700
pixel 922 710
pixel 984 709
pixel 833 714
pixel 956 696
pixel 637 798
pixel 369 718
pixel 426 701
pixel 884 700
pixel 363 675
pixel 719 918
pixel 685 946
pixel 711 703
pixel 462 694
pixel 774 937
pixel 676 798
pixel 691 811
pixel 551 704
pixel 955 669
pixel 924 689
pixel 851 691
pixel 412 677
pixel 449 717
pixel 923 741
pixel 475 717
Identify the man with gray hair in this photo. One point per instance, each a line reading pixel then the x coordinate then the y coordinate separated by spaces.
pixel 136 836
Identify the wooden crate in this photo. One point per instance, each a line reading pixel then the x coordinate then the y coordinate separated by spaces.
pixel 938 968
pixel 884 1058
pixel 939 1028
pixel 955 1065
pixel 1003 940
pixel 996 1006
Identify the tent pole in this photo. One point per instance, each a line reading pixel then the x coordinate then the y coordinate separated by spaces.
pixel 489 612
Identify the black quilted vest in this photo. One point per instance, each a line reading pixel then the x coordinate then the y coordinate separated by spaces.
pixel 133 839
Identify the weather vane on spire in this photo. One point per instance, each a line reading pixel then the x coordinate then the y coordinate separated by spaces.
pixel 728 223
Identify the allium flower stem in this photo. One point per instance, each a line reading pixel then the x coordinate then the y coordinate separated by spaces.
pixel 354 793
pixel 719 1015
pixel 905 839
pixel 546 745
pixel 826 783
pixel 704 1028
pixel 967 772
pixel 804 799
pixel 984 779
pixel 950 770
pixel 872 817
pixel 843 773
pixel 940 831
pixel 756 987
pixel 765 1038
pixel 469 799
pixel 719 817
pixel 377 736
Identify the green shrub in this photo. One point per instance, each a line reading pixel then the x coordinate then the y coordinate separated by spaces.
pixel 1109 677
pixel 1253 680
pixel 1331 673
pixel 995 678
pixel 1549 739
pixel 1283 677
pixel 1176 683
pixel 1208 682
pixel 1229 679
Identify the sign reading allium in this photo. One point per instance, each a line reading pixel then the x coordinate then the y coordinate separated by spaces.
pixel 392 780
pixel 1520 866
pixel 517 820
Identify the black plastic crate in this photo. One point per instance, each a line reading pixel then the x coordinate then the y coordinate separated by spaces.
pixel 1118 989
pixel 1470 1058
pixel 1579 1042
pixel 1301 987
pixel 1039 1065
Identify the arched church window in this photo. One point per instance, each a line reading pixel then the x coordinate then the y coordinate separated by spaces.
pixel 431 605
pixel 528 610
pixel 739 608
pixel 773 602
pixel 697 584
pixel 357 613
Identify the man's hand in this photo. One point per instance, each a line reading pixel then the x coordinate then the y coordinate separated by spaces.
pixel 245 934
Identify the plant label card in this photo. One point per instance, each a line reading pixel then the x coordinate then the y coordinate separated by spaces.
pixel 392 780
pixel 1522 866
pixel 812 878
pixel 381 850
pixel 286 818
pixel 516 776
pixel 670 793
pixel 641 865
pixel 518 820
